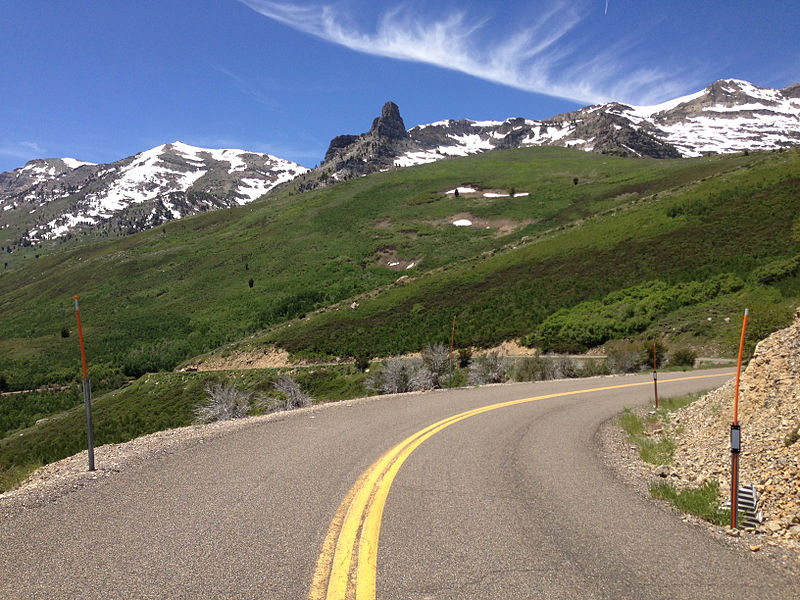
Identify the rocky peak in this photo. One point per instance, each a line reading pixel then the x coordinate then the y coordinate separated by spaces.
pixel 390 124
pixel 793 91
pixel 356 155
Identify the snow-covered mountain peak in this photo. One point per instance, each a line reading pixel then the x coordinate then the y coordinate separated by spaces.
pixel 165 182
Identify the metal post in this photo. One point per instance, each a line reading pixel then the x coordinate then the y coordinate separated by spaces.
pixel 87 393
pixel 87 402
pixel 655 374
pixel 736 444
pixel 736 433
pixel 452 338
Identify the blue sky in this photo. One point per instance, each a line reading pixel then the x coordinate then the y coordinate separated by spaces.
pixel 101 80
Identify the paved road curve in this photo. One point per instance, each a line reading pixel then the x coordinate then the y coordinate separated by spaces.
pixel 508 503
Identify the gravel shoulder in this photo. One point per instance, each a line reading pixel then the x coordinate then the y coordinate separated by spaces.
pixel 622 460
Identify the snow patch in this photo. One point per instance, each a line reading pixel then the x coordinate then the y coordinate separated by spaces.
pixel 462 223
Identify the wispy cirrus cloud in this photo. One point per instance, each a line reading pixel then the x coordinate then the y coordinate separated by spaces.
pixel 248 88
pixel 21 150
pixel 540 55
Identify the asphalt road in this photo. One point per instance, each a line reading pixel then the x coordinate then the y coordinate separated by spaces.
pixel 509 503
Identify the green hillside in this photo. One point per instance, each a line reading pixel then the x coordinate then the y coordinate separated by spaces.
pixel 590 249
pixel 589 225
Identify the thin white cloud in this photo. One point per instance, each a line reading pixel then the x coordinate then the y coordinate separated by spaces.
pixel 535 57
pixel 248 88
pixel 21 150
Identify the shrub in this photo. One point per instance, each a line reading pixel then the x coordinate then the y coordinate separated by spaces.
pixel 567 367
pixel 287 395
pixel 624 312
pixel 223 403
pixel 464 357
pixel 362 362
pixel 592 368
pixel 532 368
pixel 623 359
pixel 488 368
pixel 777 270
pixel 436 359
pixel 400 376
pixel 646 353
pixel 683 357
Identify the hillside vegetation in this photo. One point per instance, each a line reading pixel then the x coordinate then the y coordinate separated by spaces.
pixel 567 250
pixel 590 225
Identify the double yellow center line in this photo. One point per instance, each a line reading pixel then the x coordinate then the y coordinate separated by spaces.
pixel 347 566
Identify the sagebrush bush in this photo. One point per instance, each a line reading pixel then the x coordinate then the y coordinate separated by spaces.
pixel 464 357
pixel 623 359
pixel 567 368
pixel 287 395
pixel 223 403
pixel 488 368
pixel 400 376
pixel 436 359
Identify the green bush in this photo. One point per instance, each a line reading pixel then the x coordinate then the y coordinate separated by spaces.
pixel 777 270
pixel 464 357
pixel 683 357
pixel 625 312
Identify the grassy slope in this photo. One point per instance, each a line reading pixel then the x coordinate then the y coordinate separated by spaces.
pixel 731 224
pixel 151 300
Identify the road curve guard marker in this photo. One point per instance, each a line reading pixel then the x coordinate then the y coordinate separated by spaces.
pixel 347 565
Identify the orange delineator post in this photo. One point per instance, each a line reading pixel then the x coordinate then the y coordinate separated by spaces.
pixel 736 432
pixel 87 393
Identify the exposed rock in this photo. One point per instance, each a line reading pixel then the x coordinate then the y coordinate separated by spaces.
pixel 769 411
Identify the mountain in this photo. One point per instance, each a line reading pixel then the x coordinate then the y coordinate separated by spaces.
pixel 728 116
pixel 49 198
pixel 52 198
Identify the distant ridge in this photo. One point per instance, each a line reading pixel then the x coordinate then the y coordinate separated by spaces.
pixel 52 198
pixel 729 115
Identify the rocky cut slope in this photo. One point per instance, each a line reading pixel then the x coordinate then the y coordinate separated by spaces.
pixel 49 198
pixel 769 415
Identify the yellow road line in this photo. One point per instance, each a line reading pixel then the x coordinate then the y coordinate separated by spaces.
pixel 357 521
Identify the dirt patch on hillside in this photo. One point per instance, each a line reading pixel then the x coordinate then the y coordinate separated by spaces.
pixel 388 258
pixel 251 359
pixel 511 348
pixel 501 226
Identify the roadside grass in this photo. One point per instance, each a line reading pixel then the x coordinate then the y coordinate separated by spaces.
pixel 702 501
pixel 654 448
pixel 658 449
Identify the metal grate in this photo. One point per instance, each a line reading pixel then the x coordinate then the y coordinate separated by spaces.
pixel 747 501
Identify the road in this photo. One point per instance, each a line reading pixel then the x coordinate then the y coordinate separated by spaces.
pixel 507 502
